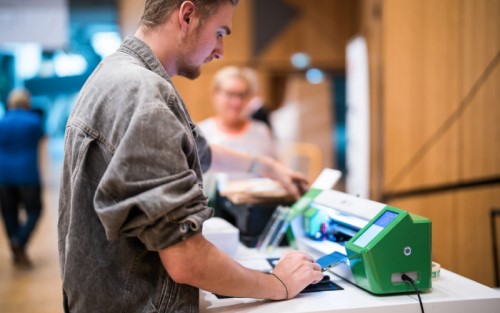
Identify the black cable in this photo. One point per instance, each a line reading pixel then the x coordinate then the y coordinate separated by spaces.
pixel 408 279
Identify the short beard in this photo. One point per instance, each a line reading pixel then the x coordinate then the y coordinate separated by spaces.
pixel 185 69
pixel 189 72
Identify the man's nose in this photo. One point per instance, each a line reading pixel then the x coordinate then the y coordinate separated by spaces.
pixel 218 52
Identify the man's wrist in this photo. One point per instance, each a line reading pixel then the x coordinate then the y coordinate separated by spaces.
pixel 283 286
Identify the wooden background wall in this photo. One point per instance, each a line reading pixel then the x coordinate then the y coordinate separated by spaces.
pixel 436 92
pixel 435 136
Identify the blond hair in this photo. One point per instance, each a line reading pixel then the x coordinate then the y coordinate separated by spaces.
pixel 19 99
pixel 229 72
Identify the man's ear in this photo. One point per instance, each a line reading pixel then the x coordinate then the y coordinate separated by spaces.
pixel 186 14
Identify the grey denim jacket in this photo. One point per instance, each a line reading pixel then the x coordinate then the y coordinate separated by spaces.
pixel 131 185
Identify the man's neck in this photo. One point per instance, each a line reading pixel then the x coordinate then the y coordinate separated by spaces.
pixel 162 46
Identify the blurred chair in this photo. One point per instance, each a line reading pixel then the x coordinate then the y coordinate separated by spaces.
pixel 303 157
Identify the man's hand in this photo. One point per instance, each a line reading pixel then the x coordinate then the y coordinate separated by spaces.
pixel 297 270
pixel 197 262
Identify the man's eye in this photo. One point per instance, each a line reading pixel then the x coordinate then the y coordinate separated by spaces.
pixel 220 35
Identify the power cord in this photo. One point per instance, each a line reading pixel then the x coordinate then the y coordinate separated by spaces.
pixel 410 280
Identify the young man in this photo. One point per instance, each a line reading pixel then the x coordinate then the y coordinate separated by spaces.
pixel 131 201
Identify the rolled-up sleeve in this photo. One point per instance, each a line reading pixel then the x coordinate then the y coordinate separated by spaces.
pixel 204 151
pixel 151 189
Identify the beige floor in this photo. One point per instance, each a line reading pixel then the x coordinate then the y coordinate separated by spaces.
pixel 39 289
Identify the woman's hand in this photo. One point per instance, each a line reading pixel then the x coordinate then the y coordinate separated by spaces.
pixel 225 159
pixel 294 182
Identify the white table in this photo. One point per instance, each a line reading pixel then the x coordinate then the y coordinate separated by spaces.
pixel 450 293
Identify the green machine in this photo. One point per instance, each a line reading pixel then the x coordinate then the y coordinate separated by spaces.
pixel 380 248
pixel 393 243
pixel 379 243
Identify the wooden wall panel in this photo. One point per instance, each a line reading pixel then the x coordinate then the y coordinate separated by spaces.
pixel 421 70
pixel 473 233
pixel 441 210
pixel 480 125
pixel 480 133
pixel 322 30
pixel 306 117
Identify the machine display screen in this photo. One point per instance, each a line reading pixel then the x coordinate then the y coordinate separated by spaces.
pixel 385 219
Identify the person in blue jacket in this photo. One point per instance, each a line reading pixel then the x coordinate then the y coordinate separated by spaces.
pixel 20 133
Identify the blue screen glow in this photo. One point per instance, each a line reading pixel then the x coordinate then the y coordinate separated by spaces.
pixel 386 218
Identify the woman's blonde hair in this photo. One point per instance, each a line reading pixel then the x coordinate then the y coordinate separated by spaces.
pixel 19 99
pixel 228 72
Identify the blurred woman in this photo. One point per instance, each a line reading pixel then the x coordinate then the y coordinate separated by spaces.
pixel 232 89
pixel 233 127
pixel 20 132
